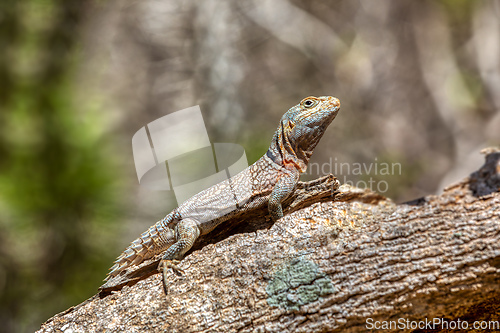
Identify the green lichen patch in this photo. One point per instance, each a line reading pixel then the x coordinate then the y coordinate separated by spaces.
pixel 298 283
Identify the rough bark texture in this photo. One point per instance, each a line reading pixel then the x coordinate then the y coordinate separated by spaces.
pixel 326 267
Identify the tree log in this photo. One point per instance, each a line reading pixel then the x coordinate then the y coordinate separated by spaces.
pixel 351 261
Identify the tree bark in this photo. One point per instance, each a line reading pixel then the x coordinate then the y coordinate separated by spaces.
pixel 353 261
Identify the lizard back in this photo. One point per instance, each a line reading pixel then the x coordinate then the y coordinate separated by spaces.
pixel 246 190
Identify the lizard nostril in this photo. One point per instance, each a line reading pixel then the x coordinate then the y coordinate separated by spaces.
pixel 335 102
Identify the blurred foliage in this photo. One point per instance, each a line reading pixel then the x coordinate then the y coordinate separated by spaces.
pixel 460 11
pixel 57 179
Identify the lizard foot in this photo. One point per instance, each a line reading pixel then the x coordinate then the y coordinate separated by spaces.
pixel 164 266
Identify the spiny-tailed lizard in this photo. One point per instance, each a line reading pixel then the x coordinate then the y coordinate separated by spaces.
pixel 269 181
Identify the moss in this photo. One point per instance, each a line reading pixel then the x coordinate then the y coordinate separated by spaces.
pixel 298 283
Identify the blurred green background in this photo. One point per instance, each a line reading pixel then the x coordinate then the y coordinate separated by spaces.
pixel 419 84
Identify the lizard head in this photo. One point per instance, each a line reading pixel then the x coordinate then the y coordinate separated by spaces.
pixel 300 130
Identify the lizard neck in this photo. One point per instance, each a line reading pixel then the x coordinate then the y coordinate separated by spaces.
pixel 290 152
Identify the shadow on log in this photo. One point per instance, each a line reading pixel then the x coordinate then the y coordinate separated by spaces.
pixel 342 259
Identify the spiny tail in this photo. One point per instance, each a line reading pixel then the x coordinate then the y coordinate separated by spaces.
pixel 155 240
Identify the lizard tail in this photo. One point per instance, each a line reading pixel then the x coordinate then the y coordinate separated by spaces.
pixel 151 242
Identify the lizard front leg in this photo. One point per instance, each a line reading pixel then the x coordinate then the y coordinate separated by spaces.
pixel 284 187
pixel 187 232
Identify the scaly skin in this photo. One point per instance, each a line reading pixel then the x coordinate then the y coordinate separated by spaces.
pixel 269 181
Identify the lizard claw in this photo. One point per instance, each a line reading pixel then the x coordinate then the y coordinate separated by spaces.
pixel 167 263
pixel 164 266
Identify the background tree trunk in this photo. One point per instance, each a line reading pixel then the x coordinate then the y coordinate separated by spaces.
pixel 332 266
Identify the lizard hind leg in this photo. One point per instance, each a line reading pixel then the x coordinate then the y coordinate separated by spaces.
pixel 187 232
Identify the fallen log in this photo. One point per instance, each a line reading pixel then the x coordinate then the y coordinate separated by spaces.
pixel 342 259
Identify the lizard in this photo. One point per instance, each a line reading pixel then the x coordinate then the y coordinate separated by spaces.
pixel 269 181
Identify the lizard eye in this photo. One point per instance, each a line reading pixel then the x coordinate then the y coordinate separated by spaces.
pixel 309 103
